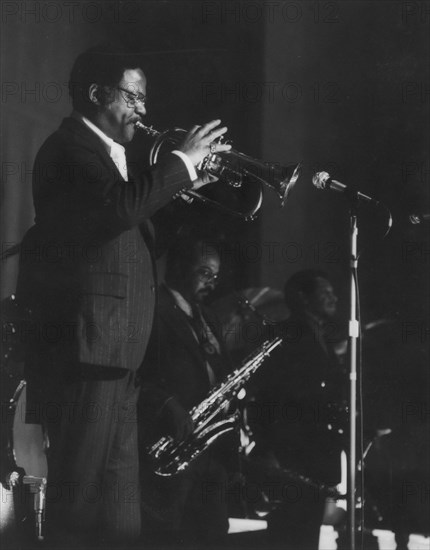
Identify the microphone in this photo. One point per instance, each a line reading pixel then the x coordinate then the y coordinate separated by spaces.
pixel 323 180
pixel 419 218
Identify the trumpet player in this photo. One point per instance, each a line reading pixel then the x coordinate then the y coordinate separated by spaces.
pixel 86 271
pixel 185 359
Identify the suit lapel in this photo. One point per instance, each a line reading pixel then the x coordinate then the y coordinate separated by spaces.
pixel 176 319
pixel 85 136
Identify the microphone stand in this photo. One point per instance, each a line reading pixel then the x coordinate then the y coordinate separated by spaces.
pixel 353 335
pixel 322 180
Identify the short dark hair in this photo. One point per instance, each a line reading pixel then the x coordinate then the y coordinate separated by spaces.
pixel 182 256
pixel 103 65
pixel 304 281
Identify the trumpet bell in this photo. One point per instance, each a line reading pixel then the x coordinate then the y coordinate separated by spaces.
pixel 236 168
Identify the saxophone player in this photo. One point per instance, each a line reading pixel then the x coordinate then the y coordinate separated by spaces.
pixel 186 357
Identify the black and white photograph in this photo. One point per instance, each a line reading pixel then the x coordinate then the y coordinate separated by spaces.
pixel 215 260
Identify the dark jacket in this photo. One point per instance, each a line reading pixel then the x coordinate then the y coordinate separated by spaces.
pixel 86 268
pixel 174 364
pixel 299 411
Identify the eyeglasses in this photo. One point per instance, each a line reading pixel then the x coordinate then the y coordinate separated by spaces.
pixel 131 98
pixel 206 275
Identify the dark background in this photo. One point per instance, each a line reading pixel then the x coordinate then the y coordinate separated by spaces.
pixel 341 86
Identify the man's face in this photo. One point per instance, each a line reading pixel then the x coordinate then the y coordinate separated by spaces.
pixel 124 106
pixel 203 277
pixel 322 301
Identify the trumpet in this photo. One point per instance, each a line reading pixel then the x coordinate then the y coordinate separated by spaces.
pixel 241 178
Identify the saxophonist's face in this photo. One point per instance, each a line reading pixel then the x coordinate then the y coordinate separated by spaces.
pixel 204 275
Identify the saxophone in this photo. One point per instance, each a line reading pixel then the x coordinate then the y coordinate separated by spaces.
pixel 170 457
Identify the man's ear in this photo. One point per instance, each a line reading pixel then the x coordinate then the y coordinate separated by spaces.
pixel 95 94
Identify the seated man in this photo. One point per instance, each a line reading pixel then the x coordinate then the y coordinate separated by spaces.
pixel 185 359
pixel 298 416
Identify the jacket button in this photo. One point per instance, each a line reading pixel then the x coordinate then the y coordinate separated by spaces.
pixel 153 289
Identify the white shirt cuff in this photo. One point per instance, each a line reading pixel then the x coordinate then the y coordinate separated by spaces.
pixel 191 170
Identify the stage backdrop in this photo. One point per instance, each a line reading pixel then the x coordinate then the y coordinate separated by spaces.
pixel 346 90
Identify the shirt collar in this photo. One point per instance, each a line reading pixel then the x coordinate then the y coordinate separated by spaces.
pixel 181 302
pixel 313 320
pixel 109 142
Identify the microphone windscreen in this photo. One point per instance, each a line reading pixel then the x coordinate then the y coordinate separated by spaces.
pixel 320 180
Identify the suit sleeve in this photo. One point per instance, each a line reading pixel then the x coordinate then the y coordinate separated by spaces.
pixel 80 187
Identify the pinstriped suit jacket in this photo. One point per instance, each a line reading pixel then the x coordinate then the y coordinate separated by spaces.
pixel 85 268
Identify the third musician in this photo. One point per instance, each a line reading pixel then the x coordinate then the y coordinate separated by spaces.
pixel 296 415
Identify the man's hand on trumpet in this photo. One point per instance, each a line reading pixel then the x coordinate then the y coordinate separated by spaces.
pixel 203 179
pixel 200 142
